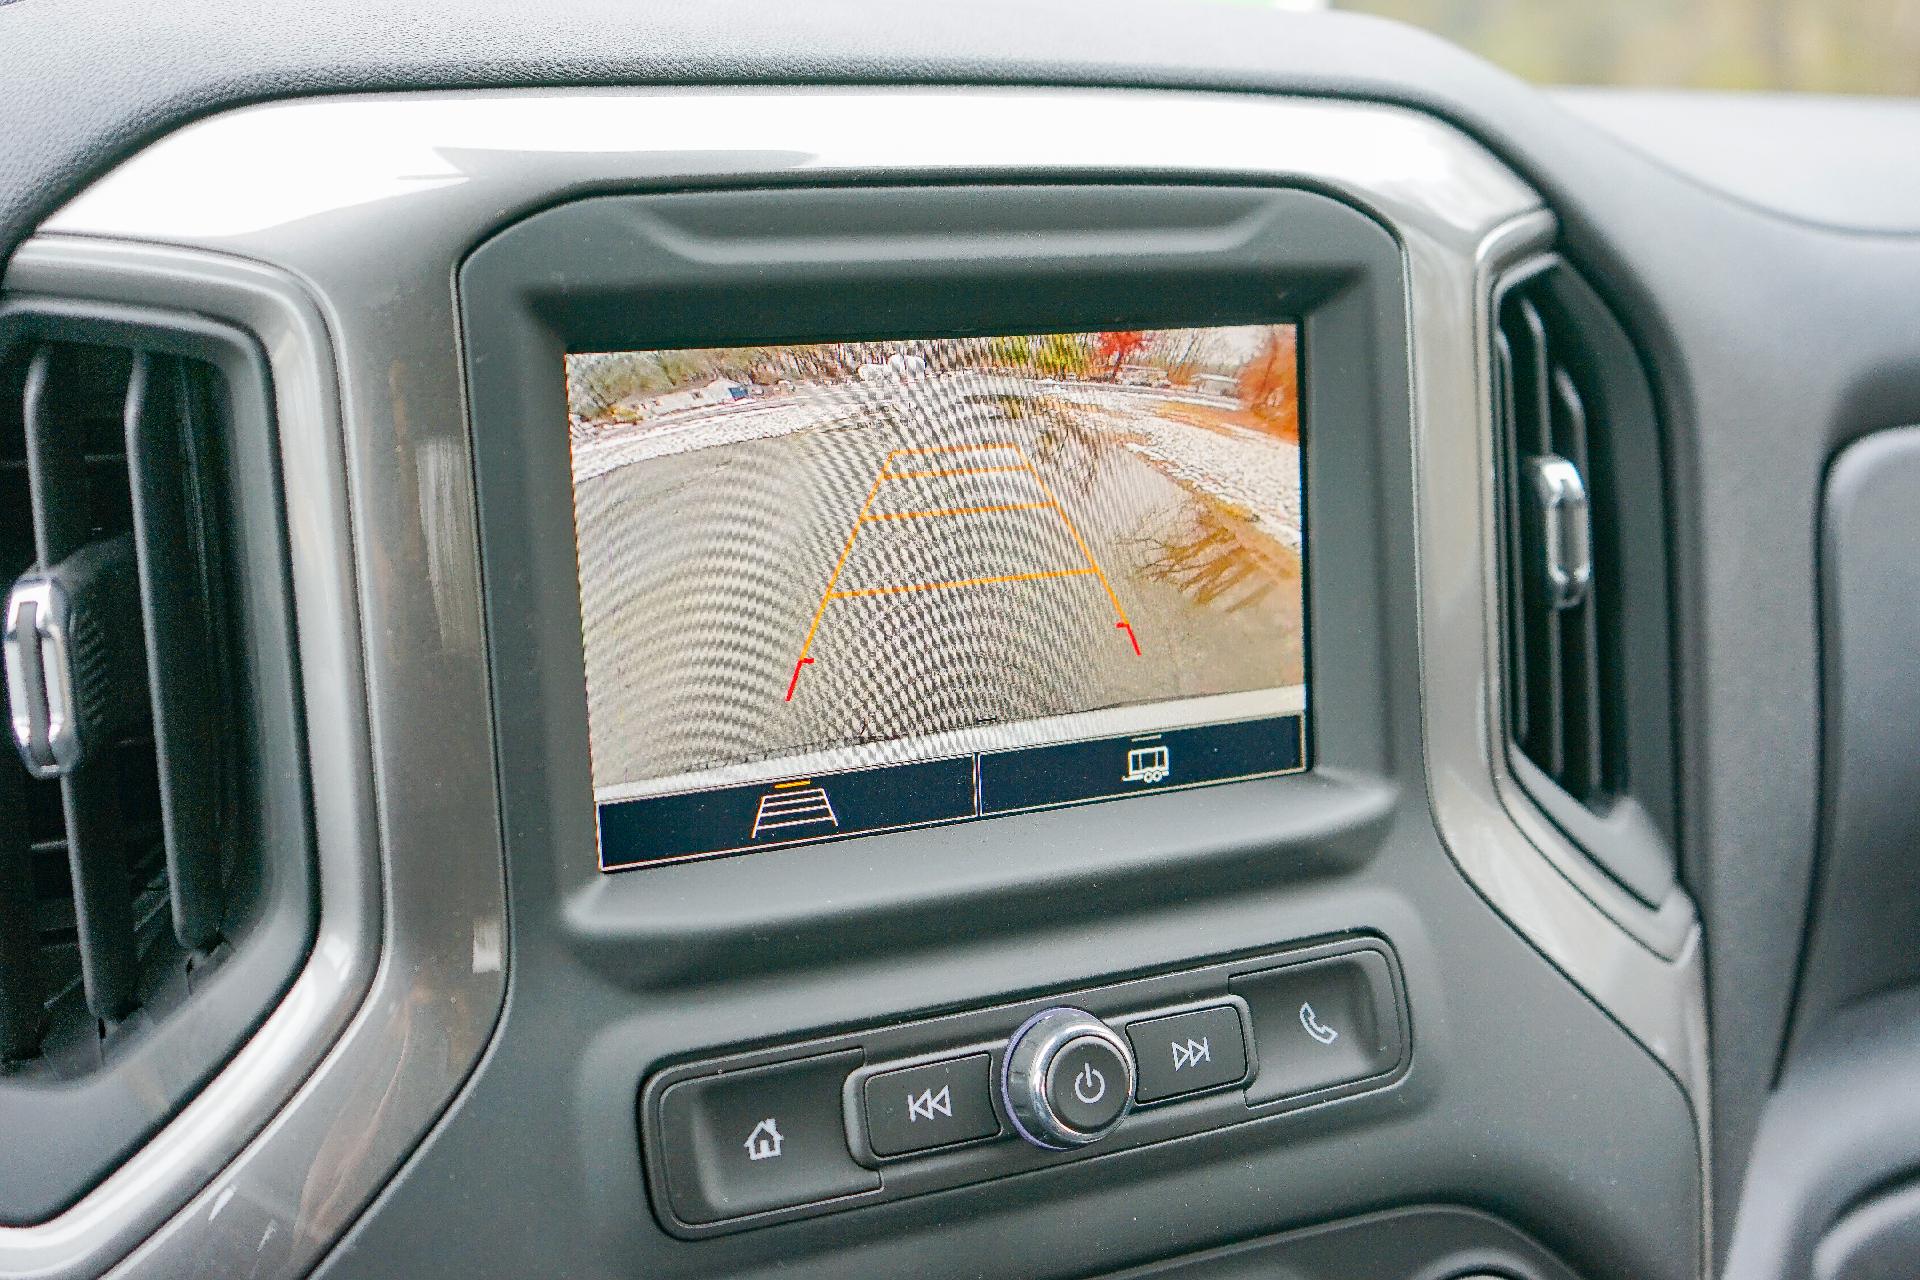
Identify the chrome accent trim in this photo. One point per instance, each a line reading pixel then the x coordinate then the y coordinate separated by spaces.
pixel 1566 529
pixel 373 201
pixel 51 614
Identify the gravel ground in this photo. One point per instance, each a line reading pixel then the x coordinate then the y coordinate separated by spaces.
pixel 704 568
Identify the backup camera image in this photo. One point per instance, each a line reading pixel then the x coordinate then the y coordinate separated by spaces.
pixel 837 588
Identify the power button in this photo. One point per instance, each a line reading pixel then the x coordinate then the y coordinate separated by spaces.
pixel 1067 1079
pixel 1087 1084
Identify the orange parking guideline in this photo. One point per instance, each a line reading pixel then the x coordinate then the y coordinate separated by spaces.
pixel 865 515
pixel 840 564
pixel 957 511
pixel 959 582
pixel 951 448
pixel 950 471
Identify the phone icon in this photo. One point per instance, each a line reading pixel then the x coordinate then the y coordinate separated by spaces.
pixel 1317 1029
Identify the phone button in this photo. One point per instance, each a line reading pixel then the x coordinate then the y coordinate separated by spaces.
pixel 1321 1024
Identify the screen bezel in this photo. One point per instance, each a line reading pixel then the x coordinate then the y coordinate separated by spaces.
pixel 837 263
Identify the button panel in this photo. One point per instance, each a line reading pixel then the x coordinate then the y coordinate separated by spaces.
pixel 913 1107
pixel 937 1105
pixel 1188 1052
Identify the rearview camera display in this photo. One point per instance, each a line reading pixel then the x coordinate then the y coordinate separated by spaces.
pixel 836 589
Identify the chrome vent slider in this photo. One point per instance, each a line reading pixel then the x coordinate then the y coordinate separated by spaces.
pixel 1559 496
pixel 75 669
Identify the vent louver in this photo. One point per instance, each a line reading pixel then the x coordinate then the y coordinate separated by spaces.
pixel 121 841
pixel 152 820
pixel 1555 706
pixel 1588 697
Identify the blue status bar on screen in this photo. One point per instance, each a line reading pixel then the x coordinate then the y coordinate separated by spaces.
pixel 836 806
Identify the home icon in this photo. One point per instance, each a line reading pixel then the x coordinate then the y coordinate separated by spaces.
pixel 765 1141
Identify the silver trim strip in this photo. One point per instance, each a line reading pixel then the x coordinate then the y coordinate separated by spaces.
pixel 373 201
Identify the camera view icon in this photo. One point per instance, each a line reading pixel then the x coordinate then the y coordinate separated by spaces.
pixel 793 804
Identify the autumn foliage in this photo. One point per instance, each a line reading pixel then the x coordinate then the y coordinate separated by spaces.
pixel 1270 384
pixel 1119 347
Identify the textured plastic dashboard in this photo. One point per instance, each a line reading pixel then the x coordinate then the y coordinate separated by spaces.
pixel 1772 342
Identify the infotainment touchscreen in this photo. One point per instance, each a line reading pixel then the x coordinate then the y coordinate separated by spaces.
pixel 833 590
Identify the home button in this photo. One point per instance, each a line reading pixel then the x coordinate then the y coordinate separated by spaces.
pixel 767 1138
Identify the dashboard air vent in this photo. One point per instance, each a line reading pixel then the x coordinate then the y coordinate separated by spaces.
pixel 112 681
pixel 148 776
pixel 1554 704
pixel 1588 681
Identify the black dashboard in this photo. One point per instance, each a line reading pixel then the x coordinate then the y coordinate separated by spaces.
pixel 862 640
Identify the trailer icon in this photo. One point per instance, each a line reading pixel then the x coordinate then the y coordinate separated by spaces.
pixel 1147 765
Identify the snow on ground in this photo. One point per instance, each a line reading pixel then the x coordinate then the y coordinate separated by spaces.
pixel 808 408
pixel 702 428
pixel 1251 471
pixel 1244 468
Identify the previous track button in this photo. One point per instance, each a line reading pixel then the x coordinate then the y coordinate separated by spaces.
pixel 935 1105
